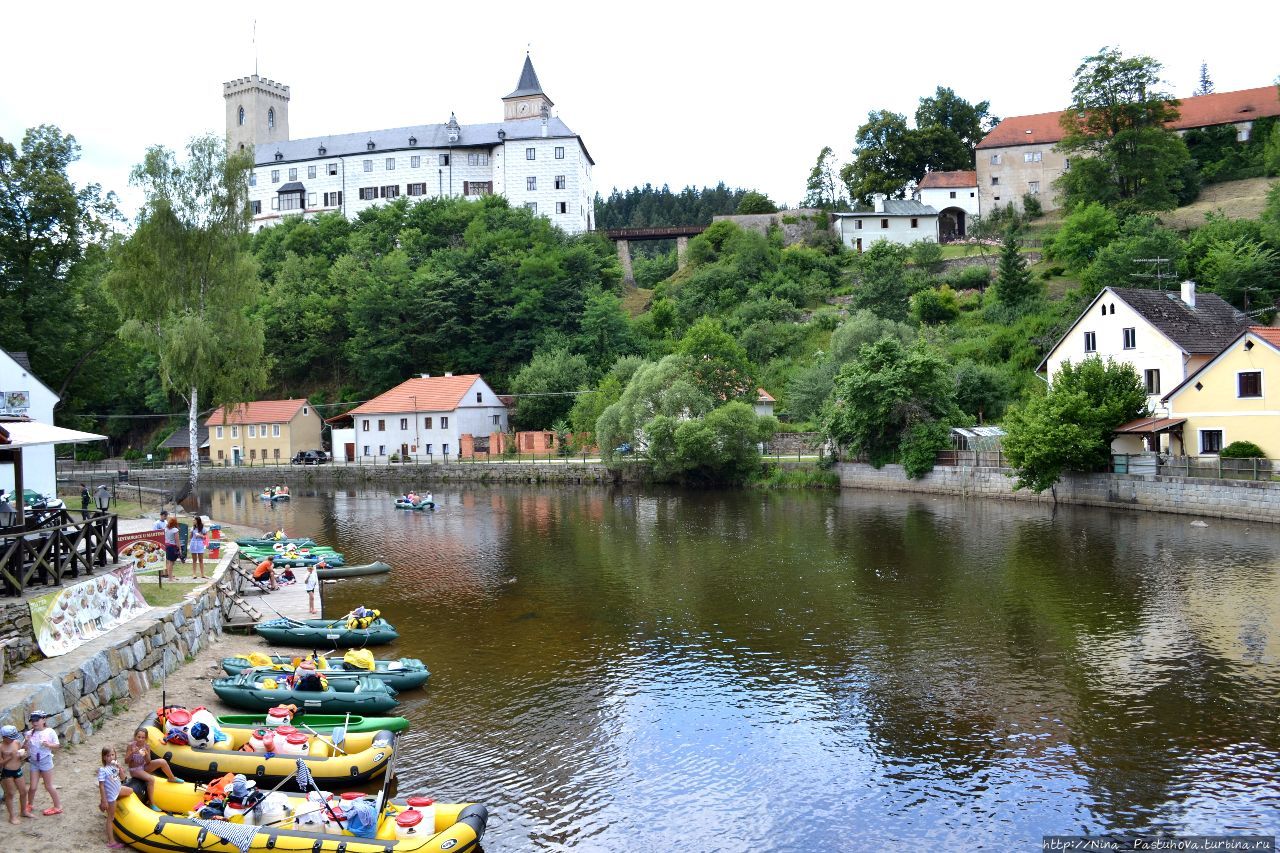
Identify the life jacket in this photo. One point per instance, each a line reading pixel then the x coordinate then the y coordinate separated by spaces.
pixel 215 789
pixel 364 621
pixel 359 659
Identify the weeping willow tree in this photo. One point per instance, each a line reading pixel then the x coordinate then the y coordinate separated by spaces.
pixel 184 280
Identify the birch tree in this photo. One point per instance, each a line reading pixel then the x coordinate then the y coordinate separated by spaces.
pixel 184 280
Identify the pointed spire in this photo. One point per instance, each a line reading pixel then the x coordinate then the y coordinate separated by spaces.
pixel 528 84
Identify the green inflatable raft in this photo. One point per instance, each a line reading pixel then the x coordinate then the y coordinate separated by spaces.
pixel 325 633
pixel 322 723
pixel 402 674
pixel 260 691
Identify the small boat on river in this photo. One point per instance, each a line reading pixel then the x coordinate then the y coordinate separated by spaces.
pixel 332 572
pixel 322 723
pixel 402 674
pixel 271 542
pixel 325 633
pixel 260 690
pixel 401 503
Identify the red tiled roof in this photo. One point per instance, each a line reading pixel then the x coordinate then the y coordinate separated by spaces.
pixel 1268 334
pixel 949 180
pixel 1200 111
pixel 763 396
pixel 430 394
pixel 260 412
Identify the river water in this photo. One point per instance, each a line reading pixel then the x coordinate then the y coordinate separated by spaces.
pixel 622 670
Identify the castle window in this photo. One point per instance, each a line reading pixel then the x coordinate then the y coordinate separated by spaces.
pixel 415 162
pixel 561 183
pixel 271 117
pixel 311 199
pixel 915 223
pixel 444 159
pixel 368 165
pixel 559 152
pixel 391 191
pixel 333 199
pixel 293 174
pixel 477 159
pixel 275 176
pixel 391 163
pixel 995 180
pixel 531 153
pixel 1033 187
pixel 255 207
pixel 477 187
pixel 884 223
pixel 242 115
pixel 562 207
pixel 253 179
pixel 311 172
pixel 953 193
pixel 332 169
pixel 531 184
pixel 416 189
pixel 532 207
pixel 995 159
pixel 368 193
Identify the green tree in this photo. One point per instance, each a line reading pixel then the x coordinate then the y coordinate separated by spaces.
pixel 722 447
pixel 1069 428
pixel 982 390
pixel 185 282
pixel 1015 289
pixel 1123 261
pixel 1271 152
pixel 933 306
pixel 820 189
pixel 47 225
pixel 717 363
pixel 968 122
pixel 754 202
pixel 883 395
pixel 881 158
pixel 882 280
pixel 604 333
pixel 666 387
pixel 1205 86
pixel 541 387
pixel 1243 272
pixel 1118 119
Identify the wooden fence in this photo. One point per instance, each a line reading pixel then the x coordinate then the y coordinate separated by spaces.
pixel 53 547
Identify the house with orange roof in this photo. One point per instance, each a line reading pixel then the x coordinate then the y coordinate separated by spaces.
pixel 264 431
pixel 1018 157
pixel 425 418
pixel 955 196
pixel 1235 396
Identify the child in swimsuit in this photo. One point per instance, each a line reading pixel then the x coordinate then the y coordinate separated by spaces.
pixel 11 756
pixel 111 786
pixel 143 766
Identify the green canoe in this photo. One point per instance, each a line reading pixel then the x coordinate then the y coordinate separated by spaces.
pixel 248 691
pixel 403 674
pixel 268 542
pixel 331 572
pixel 323 723
pixel 325 633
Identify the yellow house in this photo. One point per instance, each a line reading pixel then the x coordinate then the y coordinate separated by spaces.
pixel 263 431
pixel 1233 397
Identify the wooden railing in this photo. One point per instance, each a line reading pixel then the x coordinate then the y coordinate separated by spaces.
pixel 53 547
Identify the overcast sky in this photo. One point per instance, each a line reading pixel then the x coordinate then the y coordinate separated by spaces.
pixel 676 93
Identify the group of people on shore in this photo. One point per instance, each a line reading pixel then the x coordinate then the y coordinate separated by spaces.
pixel 197 543
pixel 34 747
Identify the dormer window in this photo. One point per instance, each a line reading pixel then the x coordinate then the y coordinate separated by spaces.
pixel 369 145
pixel 279 156
pixel 271 117
pixel 413 142
pixel 322 150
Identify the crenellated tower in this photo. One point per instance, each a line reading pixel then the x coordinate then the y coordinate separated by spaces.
pixel 257 112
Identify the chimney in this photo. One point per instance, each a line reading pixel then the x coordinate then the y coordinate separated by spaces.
pixel 877 202
pixel 447 373
pixel 424 375
pixel 1189 293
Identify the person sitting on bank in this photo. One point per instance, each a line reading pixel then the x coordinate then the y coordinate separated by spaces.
pixel 264 574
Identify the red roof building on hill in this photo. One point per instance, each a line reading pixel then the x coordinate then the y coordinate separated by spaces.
pixel 1017 157
pixel 949 180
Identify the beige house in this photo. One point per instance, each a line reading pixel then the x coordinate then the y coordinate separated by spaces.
pixel 263 431
pixel 1018 156
pixel 1234 397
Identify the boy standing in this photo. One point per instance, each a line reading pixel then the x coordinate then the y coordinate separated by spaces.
pixel 11 756
pixel 310 584
pixel 41 742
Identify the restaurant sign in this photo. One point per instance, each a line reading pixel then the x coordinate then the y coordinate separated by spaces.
pixel 15 402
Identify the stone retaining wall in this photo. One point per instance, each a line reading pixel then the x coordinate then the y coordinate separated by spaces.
pixel 454 472
pixel 78 688
pixel 1241 499
pixel 793 443
pixel 16 635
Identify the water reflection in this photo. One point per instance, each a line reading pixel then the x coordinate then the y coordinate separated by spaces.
pixel 622 670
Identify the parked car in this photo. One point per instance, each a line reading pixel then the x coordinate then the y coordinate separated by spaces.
pixel 310 457
pixel 35 500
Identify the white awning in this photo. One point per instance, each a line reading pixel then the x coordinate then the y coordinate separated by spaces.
pixel 34 433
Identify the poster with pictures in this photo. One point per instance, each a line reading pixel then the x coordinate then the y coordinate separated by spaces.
pixel 15 402
pixel 74 615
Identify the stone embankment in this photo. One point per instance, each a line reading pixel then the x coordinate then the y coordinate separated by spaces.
pixel 454 472
pixel 1240 499
pixel 80 688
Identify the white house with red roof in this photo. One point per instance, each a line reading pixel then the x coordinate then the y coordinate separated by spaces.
pixel 955 196
pixel 264 431
pixel 426 418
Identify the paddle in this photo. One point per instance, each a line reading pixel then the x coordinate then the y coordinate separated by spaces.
pixel 335 739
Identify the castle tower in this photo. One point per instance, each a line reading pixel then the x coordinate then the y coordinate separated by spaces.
pixel 257 112
pixel 528 100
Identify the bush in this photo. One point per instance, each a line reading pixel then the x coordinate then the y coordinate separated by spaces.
pixel 1031 206
pixel 754 202
pixel 926 255
pixel 935 306
pixel 132 454
pixel 84 455
pixel 1242 450
pixel 975 277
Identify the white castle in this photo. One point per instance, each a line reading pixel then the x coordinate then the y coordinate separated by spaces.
pixel 531 157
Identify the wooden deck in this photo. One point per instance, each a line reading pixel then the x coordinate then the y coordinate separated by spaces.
pixel 289 601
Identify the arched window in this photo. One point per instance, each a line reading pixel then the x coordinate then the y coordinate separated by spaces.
pixel 271 117
pixel 242 115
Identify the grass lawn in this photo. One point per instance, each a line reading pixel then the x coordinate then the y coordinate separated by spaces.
pixel 635 301
pixel 166 596
pixel 1236 199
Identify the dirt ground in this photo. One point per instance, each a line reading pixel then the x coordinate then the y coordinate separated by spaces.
pixel 80 827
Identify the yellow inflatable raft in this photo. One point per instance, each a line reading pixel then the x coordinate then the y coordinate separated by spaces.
pixel 274 755
pixel 291 822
